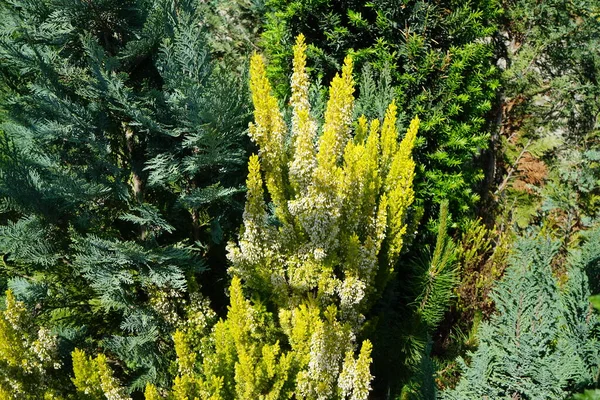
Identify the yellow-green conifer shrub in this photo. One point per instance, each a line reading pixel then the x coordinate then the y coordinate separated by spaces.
pixel 310 262
pixel 28 355
pixel 94 378
pixel 339 198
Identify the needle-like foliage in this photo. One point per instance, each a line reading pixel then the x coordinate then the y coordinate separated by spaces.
pixel 307 268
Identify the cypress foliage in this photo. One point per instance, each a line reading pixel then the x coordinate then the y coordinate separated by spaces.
pixel 541 343
pixel 121 156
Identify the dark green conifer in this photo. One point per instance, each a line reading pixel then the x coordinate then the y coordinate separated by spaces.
pixel 121 157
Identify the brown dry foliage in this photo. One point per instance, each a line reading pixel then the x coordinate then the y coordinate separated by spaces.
pixel 531 172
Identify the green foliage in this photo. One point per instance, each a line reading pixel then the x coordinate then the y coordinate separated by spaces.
pixel 588 395
pixel 541 342
pixel 474 251
pixel 554 65
pixel 409 369
pixel 122 157
pixel 440 59
pixel 550 125
pixel 590 258
pixel 438 277
pixel 234 28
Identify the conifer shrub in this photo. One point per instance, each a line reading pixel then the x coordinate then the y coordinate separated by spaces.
pixel 440 58
pixel 309 262
pixel 542 341
pixel 122 168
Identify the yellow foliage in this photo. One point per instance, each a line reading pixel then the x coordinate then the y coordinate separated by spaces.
pixel 255 204
pixel 399 185
pixel 337 198
pixel 12 346
pixel 189 384
pixel 28 355
pixel 94 378
pixel 186 359
pixel 5 395
pixel 299 82
pixel 268 131
pixel 340 200
pixel 336 130
pixel 151 393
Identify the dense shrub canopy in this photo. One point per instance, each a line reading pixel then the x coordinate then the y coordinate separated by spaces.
pixel 121 149
pixel 439 57
pixel 277 199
